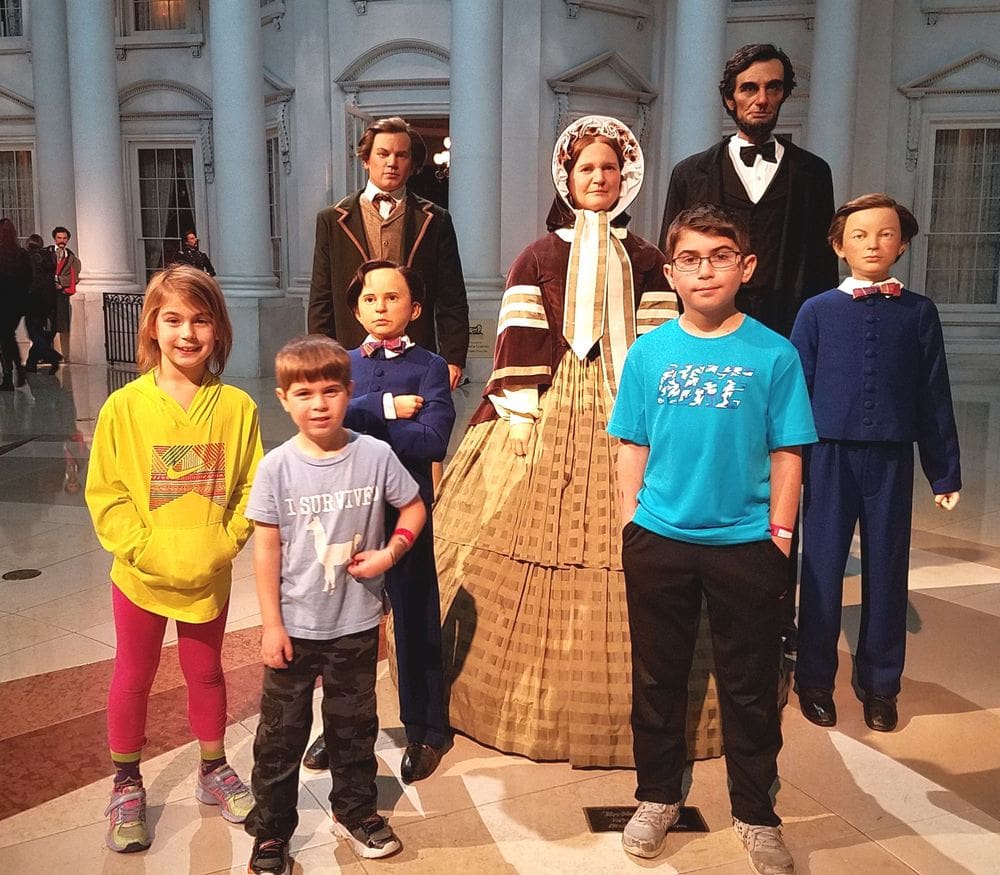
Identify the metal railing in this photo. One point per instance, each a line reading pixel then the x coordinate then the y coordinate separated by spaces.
pixel 121 323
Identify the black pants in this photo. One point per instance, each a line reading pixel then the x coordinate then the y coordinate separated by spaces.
pixel 350 725
pixel 412 586
pixel 41 341
pixel 743 586
pixel 10 355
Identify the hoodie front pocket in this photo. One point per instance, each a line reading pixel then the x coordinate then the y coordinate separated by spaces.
pixel 186 556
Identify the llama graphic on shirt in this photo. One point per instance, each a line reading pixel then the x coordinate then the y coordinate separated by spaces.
pixel 333 557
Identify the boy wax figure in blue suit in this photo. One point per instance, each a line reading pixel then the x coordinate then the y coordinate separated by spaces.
pixel 402 395
pixel 874 360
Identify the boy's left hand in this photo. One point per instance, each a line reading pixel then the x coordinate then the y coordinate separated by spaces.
pixel 454 376
pixel 946 500
pixel 784 545
pixel 369 563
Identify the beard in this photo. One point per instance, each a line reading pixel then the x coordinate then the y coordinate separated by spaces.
pixel 756 131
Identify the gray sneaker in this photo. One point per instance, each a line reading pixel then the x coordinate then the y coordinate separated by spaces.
pixel 766 849
pixel 646 831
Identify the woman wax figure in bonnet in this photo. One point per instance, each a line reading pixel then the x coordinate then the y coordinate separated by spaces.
pixel 528 535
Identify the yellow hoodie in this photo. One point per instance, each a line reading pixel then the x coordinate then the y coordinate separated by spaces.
pixel 167 489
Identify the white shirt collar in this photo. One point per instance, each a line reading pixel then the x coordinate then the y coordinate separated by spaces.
pixel 371 189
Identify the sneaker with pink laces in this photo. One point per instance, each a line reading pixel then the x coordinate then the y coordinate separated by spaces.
pixel 127 830
pixel 223 787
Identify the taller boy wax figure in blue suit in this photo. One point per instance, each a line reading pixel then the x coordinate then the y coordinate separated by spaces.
pixel 873 355
pixel 782 193
pixel 402 395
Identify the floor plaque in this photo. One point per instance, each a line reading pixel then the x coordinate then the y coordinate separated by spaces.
pixel 613 818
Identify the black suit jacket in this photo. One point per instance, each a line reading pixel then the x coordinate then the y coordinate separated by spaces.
pixel 807 264
pixel 429 246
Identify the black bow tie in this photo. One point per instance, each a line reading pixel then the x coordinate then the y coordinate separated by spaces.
pixel 748 154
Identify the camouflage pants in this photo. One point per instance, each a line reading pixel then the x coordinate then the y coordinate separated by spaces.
pixel 350 724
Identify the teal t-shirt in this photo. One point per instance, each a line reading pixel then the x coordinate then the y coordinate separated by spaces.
pixel 711 410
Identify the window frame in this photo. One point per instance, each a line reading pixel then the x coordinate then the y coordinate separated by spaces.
pixel 192 36
pixel 15 45
pixel 26 144
pixel 277 205
pixel 924 190
pixel 202 211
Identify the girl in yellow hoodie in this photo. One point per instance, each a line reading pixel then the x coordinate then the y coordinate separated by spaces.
pixel 173 456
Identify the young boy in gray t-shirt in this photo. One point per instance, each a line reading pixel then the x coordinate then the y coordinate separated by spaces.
pixel 318 502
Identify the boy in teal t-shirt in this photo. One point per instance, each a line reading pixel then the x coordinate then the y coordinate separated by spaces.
pixel 711 410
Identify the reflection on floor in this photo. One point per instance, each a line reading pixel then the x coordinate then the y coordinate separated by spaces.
pixel 925 798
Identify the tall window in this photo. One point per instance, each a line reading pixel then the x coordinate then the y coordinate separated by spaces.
pixel 166 203
pixel 10 18
pixel 963 231
pixel 17 190
pixel 159 14
pixel 274 204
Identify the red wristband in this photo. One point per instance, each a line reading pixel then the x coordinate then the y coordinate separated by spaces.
pixel 780 531
pixel 407 536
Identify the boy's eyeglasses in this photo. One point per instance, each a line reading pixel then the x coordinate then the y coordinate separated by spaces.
pixel 724 259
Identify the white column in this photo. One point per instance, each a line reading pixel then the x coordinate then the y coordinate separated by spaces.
pixel 102 233
pixel 695 119
pixel 833 88
pixel 312 140
pixel 476 131
pixel 242 242
pixel 98 169
pixel 53 128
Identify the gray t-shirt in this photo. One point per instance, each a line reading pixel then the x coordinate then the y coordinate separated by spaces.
pixel 327 510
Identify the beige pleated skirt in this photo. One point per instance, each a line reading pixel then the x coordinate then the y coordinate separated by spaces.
pixel 528 551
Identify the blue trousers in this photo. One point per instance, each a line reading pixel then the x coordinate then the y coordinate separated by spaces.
pixel 846 483
pixel 412 586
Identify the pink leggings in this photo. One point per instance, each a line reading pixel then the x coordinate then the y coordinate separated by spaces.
pixel 140 642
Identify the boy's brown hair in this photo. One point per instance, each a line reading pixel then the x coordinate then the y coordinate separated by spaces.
pixel 708 219
pixel 201 292
pixel 310 358
pixel 414 282
pixel 908 226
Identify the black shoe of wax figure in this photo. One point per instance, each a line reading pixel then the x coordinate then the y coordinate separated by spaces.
pixel 316 758
pixel 419 762
pixel 818 707
pixel 880 712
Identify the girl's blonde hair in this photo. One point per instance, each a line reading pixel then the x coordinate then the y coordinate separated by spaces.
pixel 202 292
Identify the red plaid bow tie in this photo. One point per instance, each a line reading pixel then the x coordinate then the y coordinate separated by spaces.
pixel 892 290
pixel 394 344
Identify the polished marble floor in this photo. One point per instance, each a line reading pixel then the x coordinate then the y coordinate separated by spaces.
pixel 925 798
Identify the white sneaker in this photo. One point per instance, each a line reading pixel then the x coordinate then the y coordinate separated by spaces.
pixel 645 833
pixel 766 849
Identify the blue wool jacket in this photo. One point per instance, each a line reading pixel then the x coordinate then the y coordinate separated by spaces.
pixel 876 372
pixel 418 441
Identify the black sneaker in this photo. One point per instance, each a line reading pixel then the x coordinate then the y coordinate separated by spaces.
pixel 372 838
pixel 269 857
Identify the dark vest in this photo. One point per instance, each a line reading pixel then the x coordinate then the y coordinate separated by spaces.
pixel 766 221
